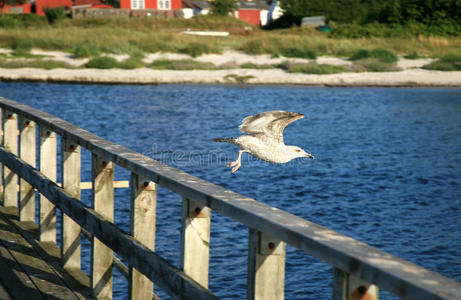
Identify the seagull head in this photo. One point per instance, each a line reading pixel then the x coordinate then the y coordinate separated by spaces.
pixel 297 152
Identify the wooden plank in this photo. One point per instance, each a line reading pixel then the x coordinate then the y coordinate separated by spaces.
pixel 15 280
pixel 103 201
pixel 395 275
pixel 76 280
pixel 48 161
pixel 143 213
pixel 348 287
pixel 173 281
pixel 195 241
pixel 27 149
pixel 71 165
pixel 10 142
pixel 266 267
pixel 3 293
pixel 35 272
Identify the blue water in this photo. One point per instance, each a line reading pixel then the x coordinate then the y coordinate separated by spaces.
pixel 387 168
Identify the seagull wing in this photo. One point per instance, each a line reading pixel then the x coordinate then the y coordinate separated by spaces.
pixel 270 123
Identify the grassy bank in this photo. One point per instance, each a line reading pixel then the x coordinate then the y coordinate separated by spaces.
pixel 128 36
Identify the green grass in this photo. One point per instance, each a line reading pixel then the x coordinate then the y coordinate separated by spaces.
pixel 373 65
pixel 131 63
pixel 125 36
pixel 85 51
pixel 256 66
pixel 196 49
pixel 38 63
pixel 25 54
pixel 182 64
pixel 450 62
pixel 383 55
pixel 314 68
pixel 102 62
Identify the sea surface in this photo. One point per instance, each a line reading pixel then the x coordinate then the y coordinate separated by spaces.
pixel 387 170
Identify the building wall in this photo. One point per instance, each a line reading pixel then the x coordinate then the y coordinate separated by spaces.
pixel 151 4
pixel 250 16
pixel 41 4
pixel 25 8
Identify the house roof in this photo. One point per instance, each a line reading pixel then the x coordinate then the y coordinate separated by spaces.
pixel 87 2
pixel 255 4
pixel 203 4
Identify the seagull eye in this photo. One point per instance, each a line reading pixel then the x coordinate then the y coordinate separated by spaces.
pixel 297 150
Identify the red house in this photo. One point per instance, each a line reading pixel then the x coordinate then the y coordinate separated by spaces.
pixel 151 4
pixel 41 4
pixel 254 12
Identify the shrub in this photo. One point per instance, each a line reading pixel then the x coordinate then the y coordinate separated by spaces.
pixel 102 62
pixel 223 7
pixel 182 64
pixel 382 55
pixel 81 51
pixel 373 65
pixel 196 49
pixel 314 68
pixel 131 63
pixel 54 14
pixel 297 52
pixel 137 54
pixel 360 54
pixel 450 62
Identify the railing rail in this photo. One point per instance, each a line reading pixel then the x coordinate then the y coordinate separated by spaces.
pixel 356 263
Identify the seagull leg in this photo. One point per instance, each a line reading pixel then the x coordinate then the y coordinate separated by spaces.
pixel 237 163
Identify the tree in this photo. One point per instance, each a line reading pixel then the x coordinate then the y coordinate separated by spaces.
pixel 223 7
pixel 3 3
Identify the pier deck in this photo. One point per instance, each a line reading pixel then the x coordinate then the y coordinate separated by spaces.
pixel 31 269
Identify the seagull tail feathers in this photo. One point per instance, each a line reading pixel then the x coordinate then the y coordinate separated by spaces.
pixel 223 140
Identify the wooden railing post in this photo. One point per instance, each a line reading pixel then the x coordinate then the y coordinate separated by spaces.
pixel 195 241
pixel 348 287
pixel 71 165
pixel 266 266
pixel 48 154
pixel 103 200
pixel 27 149
pixel 143 214
pixel 10 142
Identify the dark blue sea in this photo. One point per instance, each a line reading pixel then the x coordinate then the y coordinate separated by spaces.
pixel 387 170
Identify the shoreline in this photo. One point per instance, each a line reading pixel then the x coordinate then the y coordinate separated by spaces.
pixel 410 74
pixel 405 78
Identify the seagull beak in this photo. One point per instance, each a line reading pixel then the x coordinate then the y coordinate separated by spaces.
pixel 310 155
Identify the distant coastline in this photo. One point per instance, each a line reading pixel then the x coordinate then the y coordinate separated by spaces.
pixel 410 73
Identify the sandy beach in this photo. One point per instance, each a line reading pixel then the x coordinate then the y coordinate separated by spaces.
pixel 411 73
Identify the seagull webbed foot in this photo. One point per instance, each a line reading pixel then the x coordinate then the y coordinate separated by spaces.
pixel 235 165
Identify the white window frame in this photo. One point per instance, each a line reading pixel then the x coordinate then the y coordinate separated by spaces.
pixel 164 4
pixel 138 4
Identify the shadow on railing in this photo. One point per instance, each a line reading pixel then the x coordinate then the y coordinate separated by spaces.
pixel 359 268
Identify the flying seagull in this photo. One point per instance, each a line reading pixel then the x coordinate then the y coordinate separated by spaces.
pixel 265 138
